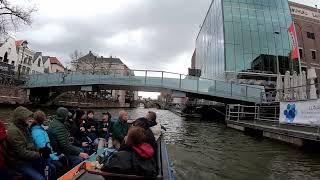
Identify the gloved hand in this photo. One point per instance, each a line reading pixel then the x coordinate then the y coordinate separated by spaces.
pixel 45 152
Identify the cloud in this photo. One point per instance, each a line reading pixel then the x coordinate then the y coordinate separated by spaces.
pixel 145 34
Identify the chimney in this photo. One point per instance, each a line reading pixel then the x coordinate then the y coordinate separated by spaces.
pixel 101 56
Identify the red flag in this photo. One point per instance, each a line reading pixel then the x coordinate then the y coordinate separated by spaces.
pixel 295 48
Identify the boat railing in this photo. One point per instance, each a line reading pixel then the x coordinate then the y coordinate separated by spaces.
pixel 264 114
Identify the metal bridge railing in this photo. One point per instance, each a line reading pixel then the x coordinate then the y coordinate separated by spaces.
pixel 162 79
pixel 267 115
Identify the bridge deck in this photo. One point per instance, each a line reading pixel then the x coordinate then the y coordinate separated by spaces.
pixel 188 84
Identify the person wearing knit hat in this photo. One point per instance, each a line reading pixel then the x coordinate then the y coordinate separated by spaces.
pixel 20 153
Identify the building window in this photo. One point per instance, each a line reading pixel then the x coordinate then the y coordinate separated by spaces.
pixel 301 53
pixel 12 62
pixel 313 53
pixel 311 35
pixel 0 59
pixel 39 61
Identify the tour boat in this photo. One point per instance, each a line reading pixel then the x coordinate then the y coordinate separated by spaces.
pixel 87 170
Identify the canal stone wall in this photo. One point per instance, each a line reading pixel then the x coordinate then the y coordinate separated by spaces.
pixel 13 95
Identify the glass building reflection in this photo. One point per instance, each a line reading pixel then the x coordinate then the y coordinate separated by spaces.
pixel 244 36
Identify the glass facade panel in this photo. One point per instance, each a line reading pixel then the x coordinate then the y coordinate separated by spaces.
pixel 210 56
pixel 253 36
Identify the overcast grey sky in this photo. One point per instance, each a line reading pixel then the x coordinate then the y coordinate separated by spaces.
pixel 145 34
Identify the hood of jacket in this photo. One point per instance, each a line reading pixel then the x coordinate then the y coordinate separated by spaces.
pixel 61 114
pixel 20 114
pixel 37 126
pixel 145 151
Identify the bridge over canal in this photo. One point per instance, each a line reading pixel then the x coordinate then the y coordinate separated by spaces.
pixel 146 80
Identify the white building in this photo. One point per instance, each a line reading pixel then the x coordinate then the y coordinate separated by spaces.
pixel 52 65
pixel 25 58
pixel 8 51
pixel 37 65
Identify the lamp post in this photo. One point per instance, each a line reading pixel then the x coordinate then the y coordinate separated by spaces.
pixel 24 46
pixel 275 48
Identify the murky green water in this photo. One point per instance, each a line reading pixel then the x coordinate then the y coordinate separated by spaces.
pixel 206 150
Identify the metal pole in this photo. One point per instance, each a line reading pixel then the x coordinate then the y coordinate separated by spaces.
pixel 180 82
pixel 275 48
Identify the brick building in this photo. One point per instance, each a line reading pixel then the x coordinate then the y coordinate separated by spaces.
pixel 307 24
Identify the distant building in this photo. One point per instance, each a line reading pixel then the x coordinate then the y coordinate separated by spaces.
pixel 307 24
pixel 25 57
pixel 94 64
pixel 8 51
pixel 37 65
pixel 91 63
pixel 55 65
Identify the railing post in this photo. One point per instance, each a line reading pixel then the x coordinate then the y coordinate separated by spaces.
pixel 47 79
pixel 246 91
pixel 161 78
pixel 145 77
pixel 71 77
pixel 231 89
pixel 215 86
pixel 198 84
pixel 238 112
pixel 180 82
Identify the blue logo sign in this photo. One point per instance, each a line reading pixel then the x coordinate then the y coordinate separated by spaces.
pixel 290 113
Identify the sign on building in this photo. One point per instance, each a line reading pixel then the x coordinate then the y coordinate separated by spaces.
pixel 305 13
pixel 303 112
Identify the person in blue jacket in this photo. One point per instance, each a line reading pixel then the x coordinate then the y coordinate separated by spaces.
pixel 50 161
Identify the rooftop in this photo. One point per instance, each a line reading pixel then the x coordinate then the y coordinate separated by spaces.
pixel 91 57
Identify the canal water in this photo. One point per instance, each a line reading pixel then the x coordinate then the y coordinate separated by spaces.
pixel 207 150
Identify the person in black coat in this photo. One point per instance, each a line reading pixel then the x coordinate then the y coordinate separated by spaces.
pixel 135 157
pixel 90 124
pixel 144 123
pixel 104 126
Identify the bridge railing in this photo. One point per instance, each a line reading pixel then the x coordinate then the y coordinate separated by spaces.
pixel 161 79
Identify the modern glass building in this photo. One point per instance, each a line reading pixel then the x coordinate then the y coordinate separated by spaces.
pixel 243 37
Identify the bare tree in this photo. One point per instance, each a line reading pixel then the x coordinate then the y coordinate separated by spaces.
pixel 92 63
pixel 13 16
pixel 75 56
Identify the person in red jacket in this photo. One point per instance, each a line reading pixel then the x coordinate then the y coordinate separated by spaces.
pixel 3 169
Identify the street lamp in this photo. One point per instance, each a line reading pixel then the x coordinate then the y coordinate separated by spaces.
pixel 24 46
pixel 275 48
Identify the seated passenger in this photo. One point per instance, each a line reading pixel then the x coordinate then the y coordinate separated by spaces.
pixel 59 138
pixel 120 129
pixel 91 125
pixel 144 123
pixel 135 157
pixel 72 125
pixel 20 152
pixel 154 126
pixel 104 126
pixel 3 168
pixel 42 142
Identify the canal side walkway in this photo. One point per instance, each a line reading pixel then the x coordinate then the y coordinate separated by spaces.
pixel 248 121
